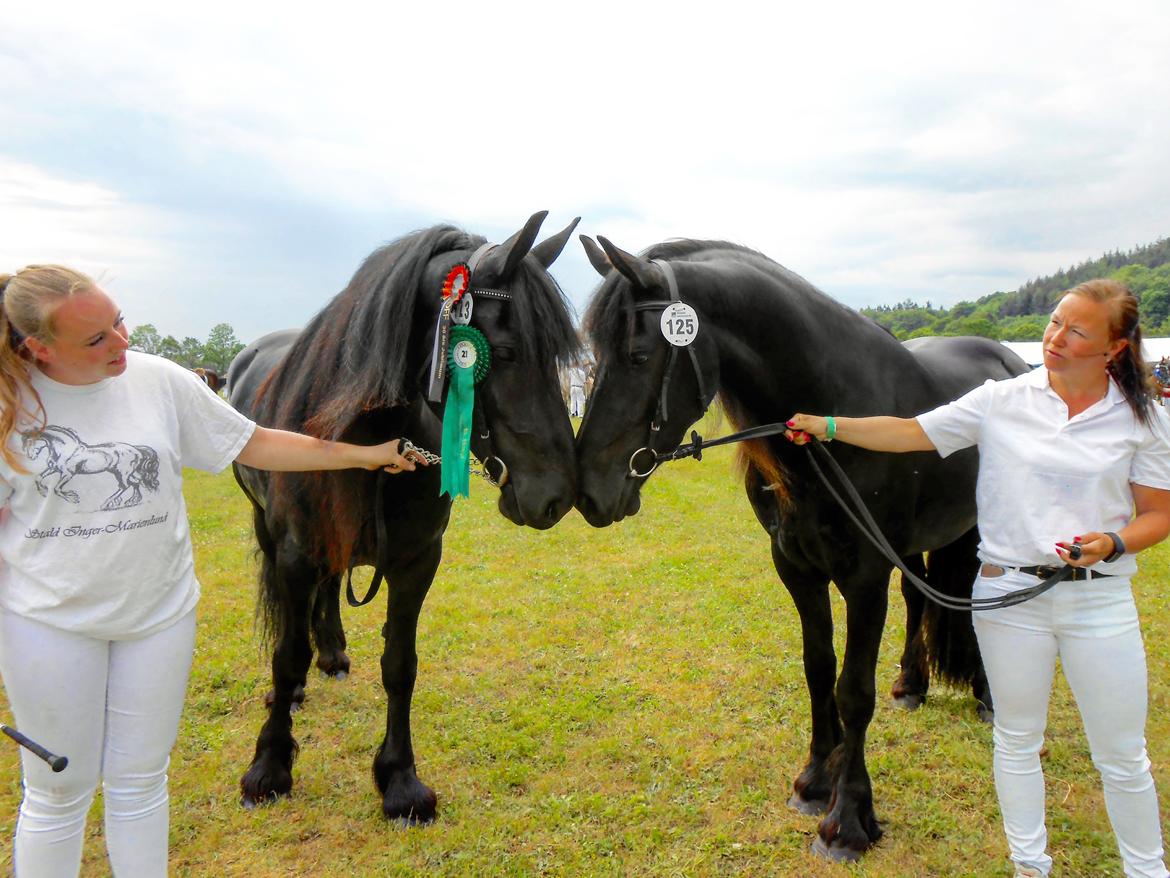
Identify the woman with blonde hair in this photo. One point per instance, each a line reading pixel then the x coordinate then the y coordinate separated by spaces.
pixel 97 584
pixel 1074 468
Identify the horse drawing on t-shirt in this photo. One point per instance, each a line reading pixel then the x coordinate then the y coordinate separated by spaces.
pixel 134 466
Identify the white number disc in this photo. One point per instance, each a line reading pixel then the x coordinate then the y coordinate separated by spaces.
pixel 680 324
pixel 464 354
pixel 461 313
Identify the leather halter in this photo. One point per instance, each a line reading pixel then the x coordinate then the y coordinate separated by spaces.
pixel 660 413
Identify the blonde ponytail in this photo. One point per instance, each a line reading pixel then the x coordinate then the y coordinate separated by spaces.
pixel 27 302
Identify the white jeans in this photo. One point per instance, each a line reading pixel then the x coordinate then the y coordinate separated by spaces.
pixel 112 708
pixel 1093 627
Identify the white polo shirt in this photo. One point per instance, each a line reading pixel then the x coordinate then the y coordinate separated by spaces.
pixel 1044 477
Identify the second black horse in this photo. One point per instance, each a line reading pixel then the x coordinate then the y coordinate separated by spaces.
pixel 770 344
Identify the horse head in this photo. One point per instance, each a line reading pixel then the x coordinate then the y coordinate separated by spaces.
pixel 33 443
pixel 648 390
pixel 523 435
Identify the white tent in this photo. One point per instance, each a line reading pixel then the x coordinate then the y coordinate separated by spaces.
pixel 1032 352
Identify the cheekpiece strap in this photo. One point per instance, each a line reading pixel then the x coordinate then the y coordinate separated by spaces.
pixel 672 286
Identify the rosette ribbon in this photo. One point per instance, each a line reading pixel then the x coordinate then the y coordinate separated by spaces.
pixel 468 360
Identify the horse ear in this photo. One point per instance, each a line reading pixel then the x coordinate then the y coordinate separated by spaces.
pixel 501 261
pixel 547 251
pixel 640 272
pixel 597 257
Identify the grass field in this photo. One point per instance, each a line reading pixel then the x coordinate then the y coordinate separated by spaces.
pixel 626 701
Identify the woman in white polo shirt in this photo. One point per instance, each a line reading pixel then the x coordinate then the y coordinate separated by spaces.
pixel 97 584
pixel 1070 453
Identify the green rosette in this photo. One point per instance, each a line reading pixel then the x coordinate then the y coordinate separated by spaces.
pixel 469 356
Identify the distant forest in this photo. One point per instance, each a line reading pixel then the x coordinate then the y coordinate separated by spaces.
pixel 1023 314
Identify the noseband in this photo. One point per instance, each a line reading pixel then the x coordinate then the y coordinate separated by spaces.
pixel 660 413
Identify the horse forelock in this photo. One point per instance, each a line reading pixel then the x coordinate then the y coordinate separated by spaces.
pixel 541 312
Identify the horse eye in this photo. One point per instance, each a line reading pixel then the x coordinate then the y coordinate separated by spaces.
pixel 639 358
pixel 508 355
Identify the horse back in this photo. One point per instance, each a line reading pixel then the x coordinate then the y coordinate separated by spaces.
pixel 253 366
pixel 956 364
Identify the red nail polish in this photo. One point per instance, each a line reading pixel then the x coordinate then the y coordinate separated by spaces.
pixel 789 423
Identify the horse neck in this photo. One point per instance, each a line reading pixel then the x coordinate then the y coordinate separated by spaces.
pixel 785 347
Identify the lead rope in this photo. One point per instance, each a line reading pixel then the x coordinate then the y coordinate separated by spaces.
pixel 864 521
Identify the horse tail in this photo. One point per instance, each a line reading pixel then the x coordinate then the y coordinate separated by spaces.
pixel 148 466
pixel 950 638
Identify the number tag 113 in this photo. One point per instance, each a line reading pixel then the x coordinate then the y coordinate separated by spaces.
pixel 679 324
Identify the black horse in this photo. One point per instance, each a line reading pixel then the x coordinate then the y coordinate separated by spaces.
pixel 359 372
pixel 770 344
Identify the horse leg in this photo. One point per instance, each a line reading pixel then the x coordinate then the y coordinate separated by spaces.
pixel 909 690
pixel 292 581
pixel 850 826
pixel 70 496
pixel 328 632
pixel 813 787
pixel 404 796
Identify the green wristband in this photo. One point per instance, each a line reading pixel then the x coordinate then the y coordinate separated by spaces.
pixel 830 428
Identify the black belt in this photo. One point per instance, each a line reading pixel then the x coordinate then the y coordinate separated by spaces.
pixel 1078 573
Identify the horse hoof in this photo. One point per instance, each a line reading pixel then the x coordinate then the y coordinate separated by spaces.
pixel 339 675
pixel 251 802
pixel 833 853
pixel 808 807
pixel 909 701
pixel 987 714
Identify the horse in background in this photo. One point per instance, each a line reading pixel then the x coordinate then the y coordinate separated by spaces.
pixel 359 372
pixel 768 344
pixel 209 377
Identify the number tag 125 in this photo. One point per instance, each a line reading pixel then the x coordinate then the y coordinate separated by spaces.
pixel 680 324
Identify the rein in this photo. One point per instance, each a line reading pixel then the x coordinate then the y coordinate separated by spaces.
pixel 860 515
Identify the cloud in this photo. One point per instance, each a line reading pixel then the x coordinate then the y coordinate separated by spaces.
pixel 250 156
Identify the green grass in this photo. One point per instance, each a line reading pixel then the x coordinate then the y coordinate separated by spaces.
pixel 625 701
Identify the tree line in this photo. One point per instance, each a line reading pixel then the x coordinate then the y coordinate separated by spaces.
pixel 1022 314
pixel 216 353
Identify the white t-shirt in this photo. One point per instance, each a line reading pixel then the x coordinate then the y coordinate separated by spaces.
pixel 95 538
pixel 1044 477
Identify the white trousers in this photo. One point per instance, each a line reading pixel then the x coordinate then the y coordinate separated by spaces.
pixel 1093 627
pixel 112 708
pixel 576 401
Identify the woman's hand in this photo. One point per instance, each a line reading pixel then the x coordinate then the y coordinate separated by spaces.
pixel 802 429
pixel 388 456
pixel 1085 550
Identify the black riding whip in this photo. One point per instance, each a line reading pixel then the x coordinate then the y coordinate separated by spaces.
pixel 57 763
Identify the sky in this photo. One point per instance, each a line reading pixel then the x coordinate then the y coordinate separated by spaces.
pixel 236 162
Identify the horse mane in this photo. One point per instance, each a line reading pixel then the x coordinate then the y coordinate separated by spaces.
pixel 355 355
pixel 609 318
pixel 49 431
